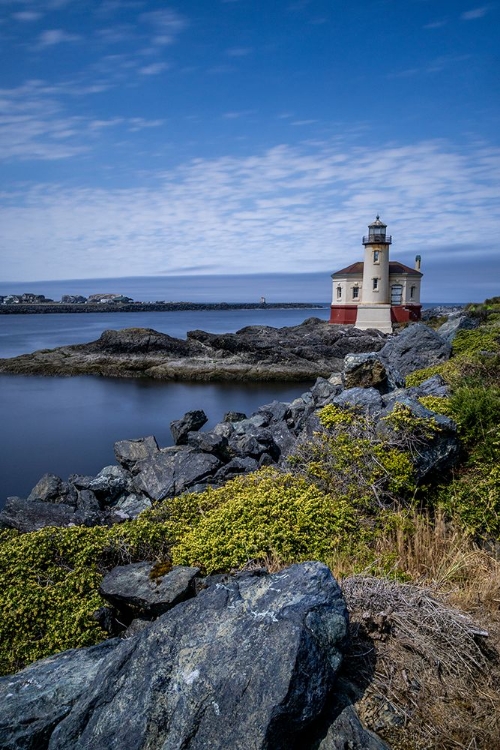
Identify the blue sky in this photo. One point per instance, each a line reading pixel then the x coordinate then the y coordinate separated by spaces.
pixel 211 136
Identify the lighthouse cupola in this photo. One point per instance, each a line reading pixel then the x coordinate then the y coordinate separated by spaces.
pixel 377 233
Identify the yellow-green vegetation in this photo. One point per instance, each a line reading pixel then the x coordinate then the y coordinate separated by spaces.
pixel 49 581
pixel 270 514
pixel 349 497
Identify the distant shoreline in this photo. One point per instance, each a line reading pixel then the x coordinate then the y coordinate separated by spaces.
pixel 53 308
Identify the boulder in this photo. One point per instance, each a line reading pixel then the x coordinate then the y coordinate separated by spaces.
pixel 433 386
pixel 26 515
pixel 249 662
pixel 35 700
pixel 111 482
pixel 347 733
pixel 169 473
pixel 129 506
pixel 455 323
pixel 190 422
pixel 129 452
pixel 365 371
pixel 324 390
pixel 209 442
pixel 237 465
pixel 249 440
pixel 367 400
pixel 234 416
pixel 142 586
pixel 414 348
pixel 51 489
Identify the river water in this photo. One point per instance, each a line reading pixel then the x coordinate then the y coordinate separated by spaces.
pixel 69 425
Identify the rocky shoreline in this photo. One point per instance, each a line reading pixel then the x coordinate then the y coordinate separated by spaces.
pixel 373 381
pixel 312 349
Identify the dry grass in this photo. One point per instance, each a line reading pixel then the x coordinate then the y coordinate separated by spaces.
pixel 423 674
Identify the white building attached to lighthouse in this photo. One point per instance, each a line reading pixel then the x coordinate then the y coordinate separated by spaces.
pixel 376 292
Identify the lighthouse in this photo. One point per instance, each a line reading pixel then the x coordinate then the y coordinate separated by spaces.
pixel 377 292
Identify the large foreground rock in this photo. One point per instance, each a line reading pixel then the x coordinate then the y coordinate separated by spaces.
pixel 248 664
pixel 34 701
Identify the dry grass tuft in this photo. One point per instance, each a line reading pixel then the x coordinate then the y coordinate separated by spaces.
pixel 423 674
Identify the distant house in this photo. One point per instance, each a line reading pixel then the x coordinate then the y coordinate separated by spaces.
pixel 376 292
pixel 108 298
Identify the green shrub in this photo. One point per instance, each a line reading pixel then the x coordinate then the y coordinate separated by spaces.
pixel 347 458
pixel 418 376
pixel 472 500
pixel 484 338
pixel 49 581
pixel 437 404
pixel 269 514
pixel 476 410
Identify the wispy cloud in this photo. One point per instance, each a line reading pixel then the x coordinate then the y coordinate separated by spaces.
pixel 239 51
pixel 154 69
pixel 472 15
pixel 35 125
pixel 50 37
pixel 167 25
pixel 435 24
pixel 283 208
pixel 27 16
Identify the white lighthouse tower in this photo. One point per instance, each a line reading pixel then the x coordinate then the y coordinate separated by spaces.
pixel 374 311
pixel 376 292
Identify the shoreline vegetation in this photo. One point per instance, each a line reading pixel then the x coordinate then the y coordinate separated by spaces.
pixel 393 484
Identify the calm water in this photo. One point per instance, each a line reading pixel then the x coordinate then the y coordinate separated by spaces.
pixel 69 425
pixel 20 334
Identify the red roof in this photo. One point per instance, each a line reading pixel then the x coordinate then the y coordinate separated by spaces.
pixel 395 267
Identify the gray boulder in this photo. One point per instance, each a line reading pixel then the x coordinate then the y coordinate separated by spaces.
pixel 433 386
pixel 111 482
pixel 367 400
pixel 364 371
pixel 236 466
pixel 247 663
pixel 25 515
pixel 414 348
pixel 51 489
pixel 324 390
pixel 190 422
pixel 34 701
pixel 234 416
pixel 249 440
pixel 129 506
pixel 168 473
pixel 140 586
pixel 455 323
pixel 129 452
pixel 209 442
pixel 347 733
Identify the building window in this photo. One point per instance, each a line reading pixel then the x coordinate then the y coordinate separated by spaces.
pixel 412 292
pixel 339 292
pixel 375 284
pixel 376 258
pixel 396 294
pixel 355 292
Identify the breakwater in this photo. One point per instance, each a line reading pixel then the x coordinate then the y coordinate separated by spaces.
pixel 44 309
